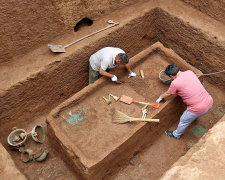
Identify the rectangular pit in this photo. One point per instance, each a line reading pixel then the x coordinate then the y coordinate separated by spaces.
pixel 36 89
pixel 49 79
pixel 57 80
pixel 94 146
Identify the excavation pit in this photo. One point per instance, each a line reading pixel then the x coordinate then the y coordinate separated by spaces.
pixel 35 83
pixel 94 146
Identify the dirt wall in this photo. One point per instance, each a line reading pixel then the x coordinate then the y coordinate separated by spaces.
pixel 142 138
pixel 198 49
pixel 206 153
pixel 72 11
pixel 89 158
pixel 67 76
pixel 8 170
pixel 27 24
pixel 60 79
pixel 213 8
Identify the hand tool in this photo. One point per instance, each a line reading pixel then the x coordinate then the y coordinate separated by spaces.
pixel 60 48
pixel 144 111
pixel 120 117
pixel 129 100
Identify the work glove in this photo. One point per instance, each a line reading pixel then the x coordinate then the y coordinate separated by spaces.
pixel 132 74
pixel 114 78
pixel 160 99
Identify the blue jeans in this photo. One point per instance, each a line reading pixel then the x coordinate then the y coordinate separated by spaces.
pixel 185 120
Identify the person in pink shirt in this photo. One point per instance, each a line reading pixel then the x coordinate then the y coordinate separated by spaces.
pixel 186 85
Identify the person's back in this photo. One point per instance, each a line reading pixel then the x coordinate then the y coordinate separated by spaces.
pixel 190 89
pixel 105 58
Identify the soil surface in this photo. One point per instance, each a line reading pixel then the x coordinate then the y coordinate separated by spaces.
pixel 35 80
pixel 41 78
pixel 8 170
pixel 160 156
pixel 216 9
pixel 96 135
pixel 195 164
pixel 150 163
pixel 24 29
pixel 52 168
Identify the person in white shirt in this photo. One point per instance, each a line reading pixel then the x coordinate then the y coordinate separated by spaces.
pixel 105 59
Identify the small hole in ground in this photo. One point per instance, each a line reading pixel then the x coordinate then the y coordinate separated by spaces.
pixel 62 95
pixel 83 22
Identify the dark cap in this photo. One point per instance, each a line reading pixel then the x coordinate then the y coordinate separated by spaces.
pixel 172 70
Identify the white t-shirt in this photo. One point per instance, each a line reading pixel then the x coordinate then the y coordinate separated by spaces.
pixel 104 58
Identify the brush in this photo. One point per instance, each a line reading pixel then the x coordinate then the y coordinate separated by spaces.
pixel 120 117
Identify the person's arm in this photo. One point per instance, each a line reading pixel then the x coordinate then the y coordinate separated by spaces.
pixel 127 66
pixel 104 73
pixel 166 95
pixel 131 73
pixel 171 91
pixel 163 96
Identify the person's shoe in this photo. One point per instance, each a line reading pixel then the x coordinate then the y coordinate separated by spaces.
pixel 170 134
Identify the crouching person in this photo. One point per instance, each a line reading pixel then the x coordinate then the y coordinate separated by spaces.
pixel 187 85
pixel 105 59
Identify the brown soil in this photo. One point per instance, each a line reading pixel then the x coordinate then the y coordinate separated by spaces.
pixel 159 156
pixel 23 29
pixel 34 81
pixel 48 79
pixel 52 168
pixel 41 79
pixel 98 120
pixel 212 8
pixel 8 169
pixel 94 139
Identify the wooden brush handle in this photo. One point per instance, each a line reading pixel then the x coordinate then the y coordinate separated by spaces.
pixel 153 105
pixel 146 120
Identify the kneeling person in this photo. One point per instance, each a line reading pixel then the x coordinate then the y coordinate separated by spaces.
pixel 105 59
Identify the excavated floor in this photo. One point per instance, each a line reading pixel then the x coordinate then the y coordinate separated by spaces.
pixel 99 144
pixel 42 80
pixel 159 156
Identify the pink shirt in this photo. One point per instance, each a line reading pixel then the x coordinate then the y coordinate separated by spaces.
pixel 191 90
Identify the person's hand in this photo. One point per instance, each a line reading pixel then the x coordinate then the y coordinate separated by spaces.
pixel 160 99
pixel 131 74
pixel 114 78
